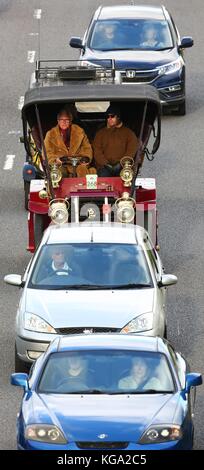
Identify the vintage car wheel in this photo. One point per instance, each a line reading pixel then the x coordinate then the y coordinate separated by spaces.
pixel 20 366
pixel 38 228
pixel 26 193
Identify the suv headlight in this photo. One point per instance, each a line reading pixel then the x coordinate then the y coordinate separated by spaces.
pixel 34 323
pixel 45 433
pixel 142 323
pixel 161 433
pixel 170 68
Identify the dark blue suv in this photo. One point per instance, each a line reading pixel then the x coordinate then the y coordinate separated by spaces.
pixel 145 44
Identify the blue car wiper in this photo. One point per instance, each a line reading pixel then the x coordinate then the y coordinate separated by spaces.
pixel 141 392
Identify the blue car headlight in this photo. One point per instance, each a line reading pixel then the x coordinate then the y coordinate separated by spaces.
pixel 161 433
pixel 172 67
pixel 44 433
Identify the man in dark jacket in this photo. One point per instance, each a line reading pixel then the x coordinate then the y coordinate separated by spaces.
pixel 112 143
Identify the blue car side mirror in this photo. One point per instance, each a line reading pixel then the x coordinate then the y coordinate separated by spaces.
pixel 20 380
pixel 193 380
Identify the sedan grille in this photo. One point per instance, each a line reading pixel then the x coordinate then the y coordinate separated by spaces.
pixel 85 329
pixel 102 445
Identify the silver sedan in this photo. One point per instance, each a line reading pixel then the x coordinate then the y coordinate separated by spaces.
pixel 89 278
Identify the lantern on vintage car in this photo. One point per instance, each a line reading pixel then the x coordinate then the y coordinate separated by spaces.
pixel 126 173
pixel 125 208
pixel 59 211
pixel 55 174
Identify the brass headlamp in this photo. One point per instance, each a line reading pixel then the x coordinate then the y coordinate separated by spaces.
pixel 125 208
pixel 59 210
pixel 55 174
pixel 126 173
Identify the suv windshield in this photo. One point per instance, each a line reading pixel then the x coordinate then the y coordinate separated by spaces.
pixel 89 266
pixel 144 34
pixel 107 372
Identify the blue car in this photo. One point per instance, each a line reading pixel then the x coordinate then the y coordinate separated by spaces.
pixel 145 45
pixel 107 391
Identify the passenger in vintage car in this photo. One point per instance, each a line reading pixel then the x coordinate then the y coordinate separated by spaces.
pixel 112 143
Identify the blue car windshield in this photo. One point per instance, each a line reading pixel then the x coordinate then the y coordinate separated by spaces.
pixel 128 34
pixel 106 372
pixel 90 266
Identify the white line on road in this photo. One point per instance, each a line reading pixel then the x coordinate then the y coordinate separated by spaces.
pixel 20 102
pixel 9 161
pixel 37 14
pixel 31 56
pixel 33 34
pixel 13 132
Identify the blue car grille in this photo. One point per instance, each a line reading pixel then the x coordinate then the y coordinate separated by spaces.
pixel 102 445
pixel 139 77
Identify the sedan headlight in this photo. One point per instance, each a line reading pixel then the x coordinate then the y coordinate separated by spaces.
pixel 45 433
pixel 161 433
pixel 142 323
pixel 170 68
pixel 35 323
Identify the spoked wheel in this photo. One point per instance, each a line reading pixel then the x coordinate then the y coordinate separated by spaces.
pixel 26 193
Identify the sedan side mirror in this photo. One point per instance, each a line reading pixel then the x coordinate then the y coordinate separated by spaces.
pixel 20 380
pixel 14 280
pixel 186 41
pixel 76 42
pixel 193 380
pixel 167 280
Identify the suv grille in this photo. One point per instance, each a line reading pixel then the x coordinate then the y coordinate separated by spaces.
pixel 140 77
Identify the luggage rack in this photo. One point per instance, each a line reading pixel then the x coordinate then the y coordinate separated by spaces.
pixel 66 70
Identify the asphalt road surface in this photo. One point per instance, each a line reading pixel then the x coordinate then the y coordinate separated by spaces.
pixel 178 167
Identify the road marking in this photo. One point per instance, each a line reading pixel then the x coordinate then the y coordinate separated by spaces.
pixel 9 161
pixel 33 34
pixel 20 102
pixel 37 14
pixel 31 56
pixel 14 132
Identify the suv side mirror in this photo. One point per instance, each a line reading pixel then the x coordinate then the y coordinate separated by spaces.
pixel 76 42
pixel 186 41
pixel 167 280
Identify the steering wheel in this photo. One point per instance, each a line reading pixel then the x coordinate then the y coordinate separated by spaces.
pixel 65 381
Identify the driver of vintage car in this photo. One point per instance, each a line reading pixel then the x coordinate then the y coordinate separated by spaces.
pixel 69 140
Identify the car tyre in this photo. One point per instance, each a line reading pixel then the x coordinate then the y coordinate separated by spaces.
pixel 20 366
pixel 26 193
pixel 165 331
pixel 181 111
pixel 38 228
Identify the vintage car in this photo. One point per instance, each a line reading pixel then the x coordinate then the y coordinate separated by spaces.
pixel 107 392
pixel 89 90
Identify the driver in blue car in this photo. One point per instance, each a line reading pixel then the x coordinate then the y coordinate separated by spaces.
pixel 69 140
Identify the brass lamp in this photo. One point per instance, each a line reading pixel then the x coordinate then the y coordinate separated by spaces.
pixel 55 174
pixel 125 208
pixel 58 211
pixel 126 173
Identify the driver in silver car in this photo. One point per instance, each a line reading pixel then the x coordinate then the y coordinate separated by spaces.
pixel 68 140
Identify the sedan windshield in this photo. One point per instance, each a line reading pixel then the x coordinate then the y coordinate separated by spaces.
pixel 90 266
pixel 127 34
pixel 106 372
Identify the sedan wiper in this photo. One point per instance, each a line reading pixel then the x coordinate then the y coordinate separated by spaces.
pixel 131 286
pixel 145 392
pixel 94 391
